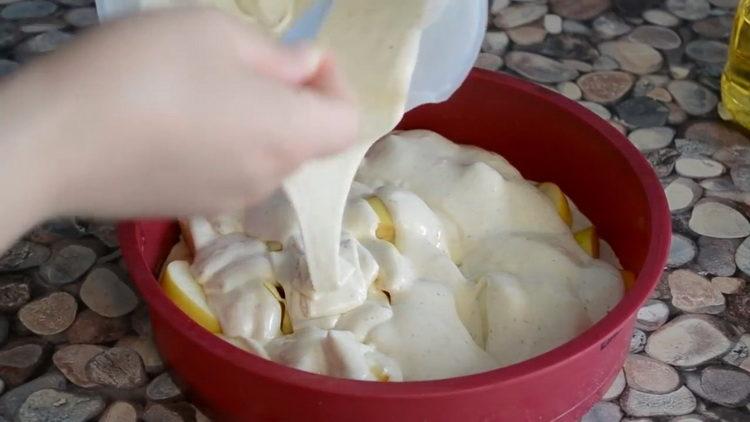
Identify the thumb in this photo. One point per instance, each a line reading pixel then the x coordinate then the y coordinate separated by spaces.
pixel 293 65
pixel 328 80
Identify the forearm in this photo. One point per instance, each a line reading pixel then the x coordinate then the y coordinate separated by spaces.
pixel 22 208
pixel 25 178
pixel 125 122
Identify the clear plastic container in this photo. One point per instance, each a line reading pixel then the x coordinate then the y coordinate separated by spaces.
pixel 449 46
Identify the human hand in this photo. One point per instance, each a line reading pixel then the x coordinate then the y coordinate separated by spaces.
pixel 171 114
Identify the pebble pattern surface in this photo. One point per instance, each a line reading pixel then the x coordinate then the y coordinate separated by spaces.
pixel 75 340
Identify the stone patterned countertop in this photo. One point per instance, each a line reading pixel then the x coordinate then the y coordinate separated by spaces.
pixel 75 337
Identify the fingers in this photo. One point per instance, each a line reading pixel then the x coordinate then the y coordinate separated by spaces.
pixel 294 65
pixel 316 111
pixel 319 125
pixel 268 57
pixel 256 49
pixel 291 97
pixel 300 64
pixel 328 80
pixel 332 109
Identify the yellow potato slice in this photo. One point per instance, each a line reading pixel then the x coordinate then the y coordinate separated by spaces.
pixel 380 374
pixel 628 279
pixel 179 252
pixel 560 201
pixel 286 319
pixel 274 246
pixel 588 240
pixel 385 231
pixel 181 287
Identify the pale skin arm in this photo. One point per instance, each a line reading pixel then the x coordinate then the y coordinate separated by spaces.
pixel 169 114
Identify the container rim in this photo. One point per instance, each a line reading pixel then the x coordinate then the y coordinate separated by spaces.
pixel 597 336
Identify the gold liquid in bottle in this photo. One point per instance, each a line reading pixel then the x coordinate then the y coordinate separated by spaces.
pixel 735 81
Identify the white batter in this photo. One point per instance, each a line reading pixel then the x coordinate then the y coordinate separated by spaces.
pixel 482 273
pixel 376 45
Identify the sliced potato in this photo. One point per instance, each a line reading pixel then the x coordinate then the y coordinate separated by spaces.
pixel 179 252
pixel 628 279
pixel 286 320
pixel 274 291
pixel 588 240
pixel 385 231
pixel 274 246
pixel 183 289
pixel 560 201
pixel 380 374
